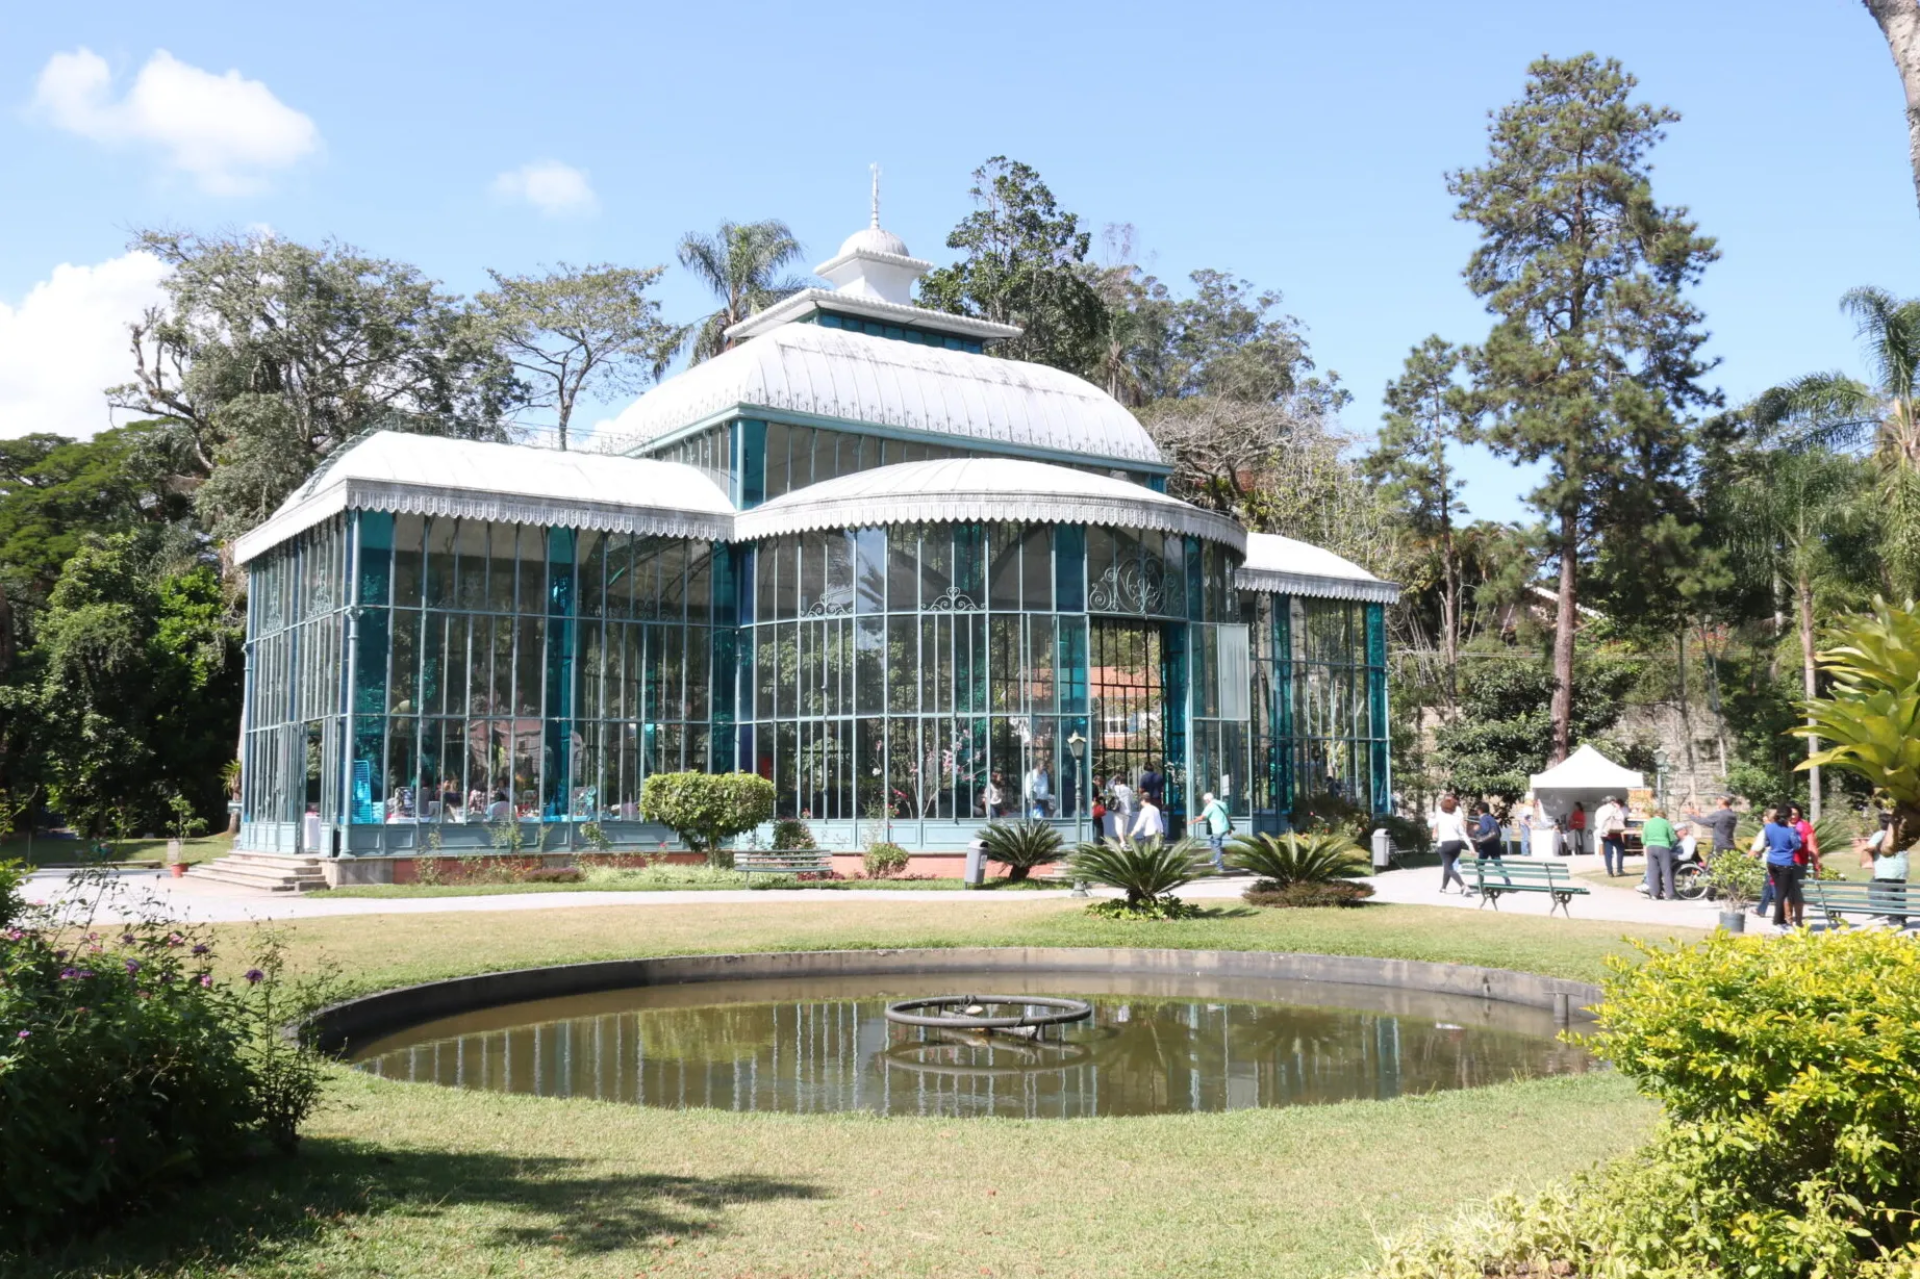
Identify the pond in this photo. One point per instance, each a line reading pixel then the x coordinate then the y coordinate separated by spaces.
pixel 1154 1045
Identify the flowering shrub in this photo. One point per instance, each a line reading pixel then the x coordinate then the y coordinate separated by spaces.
pixel 126 1066
pixel 885 860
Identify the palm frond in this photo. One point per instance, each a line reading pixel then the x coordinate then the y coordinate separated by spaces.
pixel 1020 846
pixel 1144 870
pixel 1298 859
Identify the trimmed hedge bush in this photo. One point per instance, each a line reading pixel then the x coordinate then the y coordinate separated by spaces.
pixel 1306 894
pixel 1789 1068
pixel 883 861
pixel 706 808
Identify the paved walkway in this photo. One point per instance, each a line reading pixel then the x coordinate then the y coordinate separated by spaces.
pixel 202 901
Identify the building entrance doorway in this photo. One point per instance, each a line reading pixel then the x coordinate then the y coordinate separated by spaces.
pixel 1133 687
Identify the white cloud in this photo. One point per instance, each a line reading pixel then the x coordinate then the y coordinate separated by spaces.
pixel 557 190
pixel 226 132
pixel 66 343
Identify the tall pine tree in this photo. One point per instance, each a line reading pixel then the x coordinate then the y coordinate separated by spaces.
pixel 1593 364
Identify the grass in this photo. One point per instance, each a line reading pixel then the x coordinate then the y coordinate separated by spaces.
pixel 378 951
pixel 413 1180
pixel 667 881
pixel 47 851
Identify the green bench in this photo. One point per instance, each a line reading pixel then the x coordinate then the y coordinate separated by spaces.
pixel 794 861
pixel 1836 899
pixel 1494 876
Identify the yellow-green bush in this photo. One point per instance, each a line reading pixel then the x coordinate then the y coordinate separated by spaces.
pixel 1790 1072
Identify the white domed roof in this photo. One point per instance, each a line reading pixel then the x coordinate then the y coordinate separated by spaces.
pixel 819 372
pixel 971 490
pixel 874 239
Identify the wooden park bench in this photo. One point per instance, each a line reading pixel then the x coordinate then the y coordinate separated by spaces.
pixel 791 861
pixel 1493 876
pixel 1836 899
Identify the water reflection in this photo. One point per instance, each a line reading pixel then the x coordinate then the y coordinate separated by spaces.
pixel 824 1045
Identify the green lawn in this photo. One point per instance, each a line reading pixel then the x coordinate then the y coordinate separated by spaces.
pixel 46 851
pixel 408 1180
pixel 415 1180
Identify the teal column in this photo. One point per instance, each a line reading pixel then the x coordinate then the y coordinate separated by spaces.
pixel 1281 712
pixel 367 643
pixel 558 774
pixel 725 665
pixel 1379 731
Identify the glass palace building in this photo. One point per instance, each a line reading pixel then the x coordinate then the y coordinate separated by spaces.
pixel 914 585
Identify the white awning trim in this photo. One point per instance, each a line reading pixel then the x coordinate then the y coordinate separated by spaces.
pixel 1282 566
pixel 856 378
pixel 432 475
pixel 971 490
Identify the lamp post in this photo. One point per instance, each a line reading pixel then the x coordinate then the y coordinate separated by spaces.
pixel 1077 747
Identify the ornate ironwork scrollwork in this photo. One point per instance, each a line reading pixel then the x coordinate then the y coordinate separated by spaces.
pixel 1131 586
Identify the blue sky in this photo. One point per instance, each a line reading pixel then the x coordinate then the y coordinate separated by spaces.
pixel 1302 146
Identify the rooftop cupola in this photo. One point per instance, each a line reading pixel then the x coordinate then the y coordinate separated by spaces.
pixel 874 262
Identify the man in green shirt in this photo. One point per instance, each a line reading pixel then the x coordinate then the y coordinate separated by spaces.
pixel 1219 825
pixel 1658 839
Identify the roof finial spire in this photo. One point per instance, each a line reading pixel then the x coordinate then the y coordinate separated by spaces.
pixel 876 195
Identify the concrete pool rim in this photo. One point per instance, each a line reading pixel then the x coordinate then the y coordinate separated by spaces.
pixel 367 1017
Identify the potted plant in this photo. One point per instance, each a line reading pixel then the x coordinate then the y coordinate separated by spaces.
pixel 1735 880
pixel 184 826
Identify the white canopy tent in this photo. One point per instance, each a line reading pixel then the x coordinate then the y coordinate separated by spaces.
pixel 1585 777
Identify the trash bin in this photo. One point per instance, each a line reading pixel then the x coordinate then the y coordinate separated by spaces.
pixel 976 873
pixel 1382 849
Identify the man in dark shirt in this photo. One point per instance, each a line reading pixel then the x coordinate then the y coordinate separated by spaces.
pixel 1153 785
pixel 1722 821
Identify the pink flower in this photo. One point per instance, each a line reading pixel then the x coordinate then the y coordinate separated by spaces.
pixel 24 1034
pixel 206 979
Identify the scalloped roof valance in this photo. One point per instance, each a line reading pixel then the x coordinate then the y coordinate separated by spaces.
pixel 1282 566
pixel 433 475
pixel 981 489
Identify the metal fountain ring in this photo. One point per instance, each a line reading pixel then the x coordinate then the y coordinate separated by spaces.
pixel 969 1012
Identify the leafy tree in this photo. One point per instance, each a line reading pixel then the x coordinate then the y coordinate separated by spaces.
pixel 1594 356
pixel 1834 410
pixel 706 808
pixel 269 355
pixel 1505 731
pixel 741 264
pixel 1426 412
pixel 1025 265
pixel 1225 341
pixel 579 331
pixel 54 491
pixel 138 684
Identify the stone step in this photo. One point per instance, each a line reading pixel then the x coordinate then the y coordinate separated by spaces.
pixel 279 875
pixel 275 861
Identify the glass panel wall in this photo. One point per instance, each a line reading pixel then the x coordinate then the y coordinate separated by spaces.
pixel 512 670
pixel 296 627
pixel 1319 671
pixel 947 671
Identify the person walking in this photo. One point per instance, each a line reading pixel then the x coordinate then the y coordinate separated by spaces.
pixel 1219 824
pixel 1450 839
pixel 1153 785
pixel 1149 824
pixel 1486 832
pixel 1888 888
pixel 1576 830
pixel 1778 841
pixel 1125 804
pixel 1523 824
pixel 1808 858
pixel 1658 840
pixel 1611 819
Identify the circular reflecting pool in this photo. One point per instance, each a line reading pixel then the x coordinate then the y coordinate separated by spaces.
pixel 1153 1046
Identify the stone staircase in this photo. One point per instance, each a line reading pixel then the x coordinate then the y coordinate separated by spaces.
pixel 263 872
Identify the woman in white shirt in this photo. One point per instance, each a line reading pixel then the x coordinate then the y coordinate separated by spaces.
pixel 1450 838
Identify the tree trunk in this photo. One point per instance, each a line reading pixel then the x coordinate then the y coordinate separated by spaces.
pixel 1686 724
pixel 1900 23
pixel 1564 619
pixel 1808 686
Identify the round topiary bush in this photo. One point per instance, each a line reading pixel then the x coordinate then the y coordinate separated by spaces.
pixel 707 808
pixel 883 861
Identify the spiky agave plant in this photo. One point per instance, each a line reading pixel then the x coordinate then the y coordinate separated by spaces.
pixel 1283 860
pixel 1020 846
pixel 1144 871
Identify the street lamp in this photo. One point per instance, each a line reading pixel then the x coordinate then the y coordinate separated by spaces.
pixel 1077 747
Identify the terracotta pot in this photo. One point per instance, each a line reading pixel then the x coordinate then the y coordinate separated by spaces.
pixel 179 869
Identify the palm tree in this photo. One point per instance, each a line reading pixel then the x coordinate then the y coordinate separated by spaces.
pixel 741 263
pixel 1804 522
pixel 1837 411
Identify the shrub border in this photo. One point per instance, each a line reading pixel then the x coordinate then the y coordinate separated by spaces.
pixel 370 1016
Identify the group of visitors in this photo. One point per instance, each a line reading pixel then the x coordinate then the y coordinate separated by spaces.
pixel 1127 813
pixel 1792 852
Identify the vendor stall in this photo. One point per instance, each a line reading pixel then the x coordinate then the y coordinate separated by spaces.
pixel 1587 778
